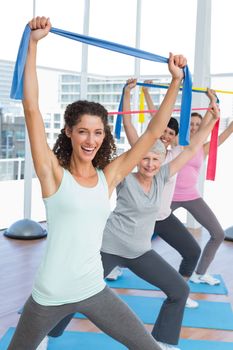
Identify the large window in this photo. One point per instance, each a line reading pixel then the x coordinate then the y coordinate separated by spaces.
pixel 166 26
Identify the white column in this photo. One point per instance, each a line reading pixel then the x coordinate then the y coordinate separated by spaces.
pixel 201 77
pixel 137 62
pixel 28 165
pixel 84 64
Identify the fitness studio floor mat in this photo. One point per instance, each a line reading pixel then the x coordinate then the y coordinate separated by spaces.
pixel 209 314
pixel 187 344
pixel 97 341
pixel 73 341
pixel 131 281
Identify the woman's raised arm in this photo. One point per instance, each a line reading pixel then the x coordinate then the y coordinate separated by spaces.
pixel 44 160
pixel 121 166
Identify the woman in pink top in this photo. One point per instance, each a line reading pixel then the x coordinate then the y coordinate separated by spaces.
pixel 187 196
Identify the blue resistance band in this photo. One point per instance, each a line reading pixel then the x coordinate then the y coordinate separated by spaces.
pixel 17 83
pixel 184 128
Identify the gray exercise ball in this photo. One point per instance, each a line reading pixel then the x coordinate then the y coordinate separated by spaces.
pixel 25 229
pixel 229 234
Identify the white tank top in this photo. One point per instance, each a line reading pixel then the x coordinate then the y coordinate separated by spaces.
pixel 71 269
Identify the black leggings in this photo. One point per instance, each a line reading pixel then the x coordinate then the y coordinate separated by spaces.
pixel 172 231
pixel 154 269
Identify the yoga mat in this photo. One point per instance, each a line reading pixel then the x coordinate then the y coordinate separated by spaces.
pixel 73 341
pixel 186 344
pixel 209 314
pixel 98 341
pixel 131 281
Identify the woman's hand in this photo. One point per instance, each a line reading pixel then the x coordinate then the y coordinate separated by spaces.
pixel 145 88
pixel 211 95
pixel 130 84
pixel 40 27
pixel 176 63
pixel 213 106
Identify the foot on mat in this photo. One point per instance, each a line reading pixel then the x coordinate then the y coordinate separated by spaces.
pixel 191 304
pixel 165 346
pixel 114 274
pixel 44 344
pixel 208 279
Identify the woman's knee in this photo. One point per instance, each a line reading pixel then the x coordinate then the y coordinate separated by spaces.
pixel 218 237
pixel 193 254
pixel 181 290
pixel 196 251
pixel 185 290
pixel 221 236
pixel 189 262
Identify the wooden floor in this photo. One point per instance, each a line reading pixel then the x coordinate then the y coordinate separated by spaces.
pixel 19 261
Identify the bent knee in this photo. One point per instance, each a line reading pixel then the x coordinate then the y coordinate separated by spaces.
pixel 182 291
pixel 218 238
pixel 194 255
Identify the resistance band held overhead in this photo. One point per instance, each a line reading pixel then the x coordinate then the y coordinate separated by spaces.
pixel 194 89
pixel 160 86
pixel 212 159
pixel 17 84
pixel 184 119
pixel 141 117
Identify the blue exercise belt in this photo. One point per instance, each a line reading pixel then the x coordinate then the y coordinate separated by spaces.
pixel 17 83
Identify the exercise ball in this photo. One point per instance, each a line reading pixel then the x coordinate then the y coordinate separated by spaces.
pixel 229 234
pixel 25 229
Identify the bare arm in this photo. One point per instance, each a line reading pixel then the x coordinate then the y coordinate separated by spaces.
pixel 130 130
pixel 44 160
pixel 207 117
pixel 221 139
pixel 196 141
pixel 122 165
pixel 149 101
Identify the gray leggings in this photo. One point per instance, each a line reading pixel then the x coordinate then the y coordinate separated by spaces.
pixel 204 215
pixel 105 310
pixel 154 269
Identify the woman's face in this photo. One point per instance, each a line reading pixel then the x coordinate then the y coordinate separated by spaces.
pixel 168 137
pixel 87 137
pixel 150 164
pixel 195 124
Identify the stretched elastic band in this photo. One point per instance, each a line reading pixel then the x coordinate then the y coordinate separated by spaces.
pixel 141 116
pixel 212 160
pixel 185 111
pixel 150 111
pixel 17 84
pixel 194 89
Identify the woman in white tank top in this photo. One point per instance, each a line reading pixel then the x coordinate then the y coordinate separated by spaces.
pixel 79 167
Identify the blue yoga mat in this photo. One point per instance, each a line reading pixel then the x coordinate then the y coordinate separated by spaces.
pixel 73 341
pixel 209 314
pixel 98 341
pixel 186 344
pixel 131 281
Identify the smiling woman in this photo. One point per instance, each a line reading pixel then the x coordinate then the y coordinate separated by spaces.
pixel 128 231
pixel 90 138
pixel 77 178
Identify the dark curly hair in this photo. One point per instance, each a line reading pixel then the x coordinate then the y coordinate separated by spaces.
pixel 73 113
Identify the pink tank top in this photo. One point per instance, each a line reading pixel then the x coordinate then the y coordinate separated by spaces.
pixel 187 179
